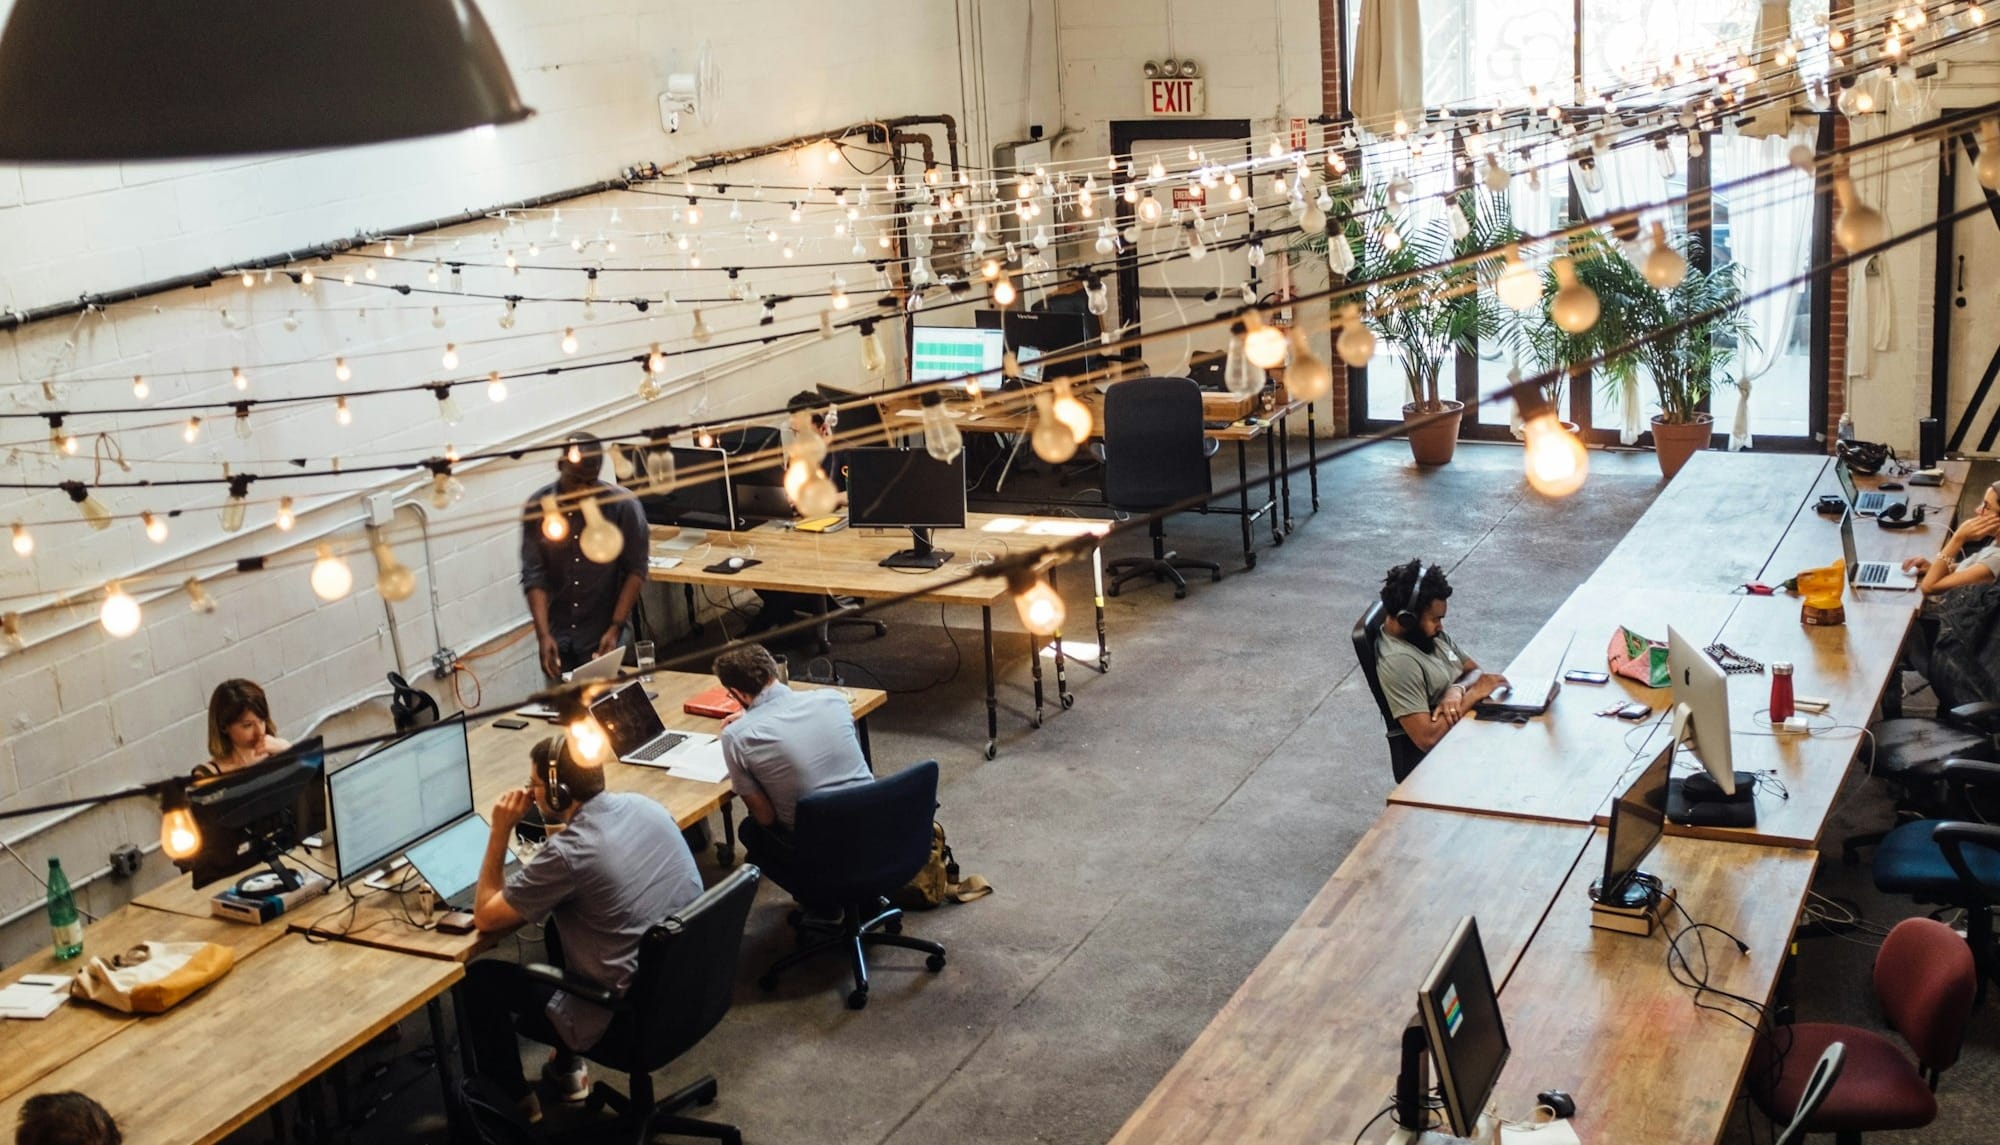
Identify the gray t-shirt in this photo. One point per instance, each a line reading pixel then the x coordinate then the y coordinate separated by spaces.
pixel 1988 557
pixel 789 744
pixel 1414 681
pixel 618 868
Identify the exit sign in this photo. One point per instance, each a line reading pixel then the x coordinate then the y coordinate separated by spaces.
pixel 1175 97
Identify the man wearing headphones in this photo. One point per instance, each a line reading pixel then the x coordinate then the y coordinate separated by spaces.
pixel 614 865
pixel 1427 680
pixel 580 608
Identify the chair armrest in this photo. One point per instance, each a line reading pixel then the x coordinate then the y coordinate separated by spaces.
pixel 1963 773
pixel 570 983
pixel 1980 716
pixel 1951 838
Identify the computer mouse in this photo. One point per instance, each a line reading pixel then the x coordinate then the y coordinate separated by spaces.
pixel 1562 1104
pixel 735 562
pixel 1890 486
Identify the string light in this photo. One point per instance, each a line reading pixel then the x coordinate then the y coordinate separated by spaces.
pixel 450 358
pixel 1051 438
pixel 1003 291
pixel 1264 345
pixel 1556 460
pixel 1519 288
pixel 1307 377
pixel 1071 412
pixel 340 371
pixel 569 340
pixel 496 389
pixel 656 360
pixel 140 389
pixel 1664 268
pixel 238 378
pixel 156 528
pixel 1356 344
pixel 24 541
pixel 553 525
pixel 242 420
pixel 341 413
pixel 191 432
pixel 1575 306
pixel 700 333
pixel 198 600
pixel 585 737
pixel 180 838
pixel 941 438
pixel 120 615
pixel 286 518
pixel 1042 611
pixel 394 582
pixel 331 578
pixel 237 506
pixel 448 410
pixel 94 513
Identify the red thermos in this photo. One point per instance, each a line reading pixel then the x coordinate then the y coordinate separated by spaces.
pixel 1781 692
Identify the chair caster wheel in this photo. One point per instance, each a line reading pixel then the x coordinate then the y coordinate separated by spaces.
pixel 1277 538
pixel 725 855
pixel 992 749
pixel 1215 576
pixel 1180 592
pixel 857 999
pixel 1068 701
pixel 1038 719
pixel 1250 560
pixel 893 926
pixel 768 982
pixel 934 963
pixel 1111 590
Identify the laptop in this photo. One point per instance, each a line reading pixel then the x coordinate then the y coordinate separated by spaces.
pixel 1529 696
pixel 604 667
pixel 1871 574
pixel 1870 504
pixel 449 861
pixel 638 736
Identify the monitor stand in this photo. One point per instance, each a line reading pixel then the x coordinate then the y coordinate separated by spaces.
pixel 278 879
pixel 919 556
pixel 1698 801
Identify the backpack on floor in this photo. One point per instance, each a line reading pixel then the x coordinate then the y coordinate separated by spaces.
pixel 939 883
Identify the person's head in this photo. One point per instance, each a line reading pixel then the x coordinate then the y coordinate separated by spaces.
pixel 1989 505
pixel 579 464
pixel 238 718
pixel 1415 595
pixel 583 781
pixel 746 672
pixel 825 415
pixel 67 1118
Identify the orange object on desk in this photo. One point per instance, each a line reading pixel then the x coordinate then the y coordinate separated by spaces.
pixel 715 703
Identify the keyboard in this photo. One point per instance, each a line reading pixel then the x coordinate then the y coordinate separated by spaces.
pixel 1217 424
pixel 1873 573
pixel 1870 502
pixel 659 747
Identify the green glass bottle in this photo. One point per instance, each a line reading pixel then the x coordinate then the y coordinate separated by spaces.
pixel 63 918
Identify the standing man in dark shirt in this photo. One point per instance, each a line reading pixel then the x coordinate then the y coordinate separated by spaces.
pixel 580 607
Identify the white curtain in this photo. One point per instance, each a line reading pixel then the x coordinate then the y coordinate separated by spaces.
pixel 1770 225
pixel 1628 176
pixel 1773 120
pixel 1388 65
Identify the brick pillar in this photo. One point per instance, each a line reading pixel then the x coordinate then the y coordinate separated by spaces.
pixel 1331 82
pixel 1836 331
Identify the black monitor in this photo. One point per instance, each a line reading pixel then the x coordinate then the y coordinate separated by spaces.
pixel 256 814
pixel 404 792
pixel 696 493
pixel 1458 1024
pixel 756 472
pixel 906 489
pixel 1046 332
pixel 1638 816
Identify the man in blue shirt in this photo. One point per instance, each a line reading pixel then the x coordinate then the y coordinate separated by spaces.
pixel 580 608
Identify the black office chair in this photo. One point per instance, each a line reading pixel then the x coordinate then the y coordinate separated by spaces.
pixel 855 846
pixel 495 1118
pixel 1155 455
pixel 686 979
pixel 1404 755
pixel 1951 863
pixel 1909 753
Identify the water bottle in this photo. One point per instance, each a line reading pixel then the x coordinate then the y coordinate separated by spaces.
pixel 1845 430
pixel 63 919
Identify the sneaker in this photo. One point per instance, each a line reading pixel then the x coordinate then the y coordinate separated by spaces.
pixel 571 1084
pixel 826 917
pixel 531 1108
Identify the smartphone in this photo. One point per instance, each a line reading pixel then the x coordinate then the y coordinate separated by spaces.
pixel 1580 676
pixel 510 724
pixel 457 922
pixel 1634 711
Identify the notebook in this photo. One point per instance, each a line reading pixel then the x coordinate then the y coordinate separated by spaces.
pixel 715 703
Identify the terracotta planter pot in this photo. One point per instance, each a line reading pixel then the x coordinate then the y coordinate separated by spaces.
pixel 1434 443
pixel 1675 442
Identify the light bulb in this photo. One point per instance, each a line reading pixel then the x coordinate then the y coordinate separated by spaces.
pixel 1664 268
pixel 1263 345
pixel 242 420
pixel 1041 609
pixel 872 360
pixel 1003 291
pixel 394 582
pixel 554 527
pixel 656 360
pixel 941 438
pixel 1071 412
pixel 234 508
pixel 569 340
pixel 694 214
pixel 496 389
pixel 1356 344
pixel 437 314
pixel 1575 307
pixel 700 331
pixel 1149 210
pixel 286 518
pixel 120 614
pixel 1518 287
pixel 1988 168
pixel 448 409
pixel 198 600
pixel 1861 226
pixel 156 528
pixel 1556 461
pixel 191 432
pixel 1239 377
pixel 1051 439
pixel 588 744
pixel 341 413
pixel 450 358
pixel 291 321
pixel 24 541
pixel 179 837
pixel 1307 377
pixel 331 578
pixel 340 371
pixel 798 472
pixel 238 379
pixel 601 540
pixel 94 513
pixel 446 490
pixel 140 389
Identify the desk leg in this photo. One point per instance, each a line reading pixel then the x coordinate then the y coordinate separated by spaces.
pixel 1035 670
pixel 1243 500
pixel 1097 590
pixel 992 697
pixel 694 618
pixel 1271 486
pixel 441 1044
pixel 1285 467
pixel 867 749
pixel 1062 677
pixel 1312 455
pixel 725 851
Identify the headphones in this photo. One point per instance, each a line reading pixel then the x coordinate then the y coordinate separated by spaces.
pixel 1406 616
pixel 1900 516
pixel 556 791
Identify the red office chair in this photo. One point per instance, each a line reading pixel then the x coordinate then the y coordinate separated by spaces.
pixel 1924 979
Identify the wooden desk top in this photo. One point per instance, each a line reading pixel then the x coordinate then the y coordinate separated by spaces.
pixel 1813 540
pixel 30 1050
pixel 1716 523
pixel 195 1073
pixel 1563 764
pixel 1308 1048
pixel 1596 1014
pixel 846 563
pixel 1007 414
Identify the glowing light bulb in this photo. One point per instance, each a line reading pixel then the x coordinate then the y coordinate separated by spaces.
pixel 1575 306
pixel 656 360
pixel 601 541
pixel 941 437
pixel 450 358
pixel 156 528
pixel 24 541
pixel 331 578
pixel 394 582
pixel 1556 461
pixel 569 340
pixel 140 389
pixel 1051 439
pixel 1263 345
pixel 1041 609
pixel 1518 287
pixel 553 525
pixel 198 601
pixel 496 389
pixel 446 490
pixel 797 473
pixel 818 497
pixel 693 214
pixel 286 518
pixel 341 413
pixel 179 837
pixel 1003 291
pixel 191 432
pixel 1356 344
pixel 120 614
pixel 340 371
pixel 587 741
pixel 1307 377
pixel 1664 268
pixel 238 378
pixel 1149 210
pixel 1071 412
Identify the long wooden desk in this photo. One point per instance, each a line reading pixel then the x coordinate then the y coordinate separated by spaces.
pixel 1715 524
pixel 192 1075
pixel 848 563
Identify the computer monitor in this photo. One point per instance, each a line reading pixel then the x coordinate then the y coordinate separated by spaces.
pixel 1045 332
pixel 906 489
pixel 1638 816
pixel 1458 1024
pixel 385 802
pixel 756 472
pixel 938 353
pixel 256 814
pixel 1722 796
pixel 698 490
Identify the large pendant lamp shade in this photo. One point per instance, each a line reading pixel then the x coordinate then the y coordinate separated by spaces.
pixel 172 79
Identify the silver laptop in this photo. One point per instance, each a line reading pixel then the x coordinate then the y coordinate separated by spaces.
pixel 1871 574
pixel 1529 696
pixel 449 861
pixel 1870 504
pixel 637 734
pixel 604 667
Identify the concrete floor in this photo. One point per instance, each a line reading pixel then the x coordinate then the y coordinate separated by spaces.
pixel 1149 845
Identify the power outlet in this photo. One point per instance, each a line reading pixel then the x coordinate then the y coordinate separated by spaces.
pixel 125 860
pixel 441 662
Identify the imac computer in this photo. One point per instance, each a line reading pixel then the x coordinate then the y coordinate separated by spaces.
pixel 411 789
pixel 906 489
pixel 691 488
pixel 1458 1026
pixel 1722 797
pixel 256 814
pixel 939 353
pixel 1638 816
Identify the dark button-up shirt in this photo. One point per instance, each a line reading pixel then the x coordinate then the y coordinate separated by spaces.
pixel 582 593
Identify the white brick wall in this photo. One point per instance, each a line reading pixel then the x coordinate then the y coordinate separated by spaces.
pixel 80 712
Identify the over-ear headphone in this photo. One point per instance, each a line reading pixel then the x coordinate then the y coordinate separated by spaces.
pixel 1900 516
pixel 556 791
pixel 1407 615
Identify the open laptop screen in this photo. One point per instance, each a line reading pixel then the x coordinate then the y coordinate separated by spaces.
pixel 629 718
